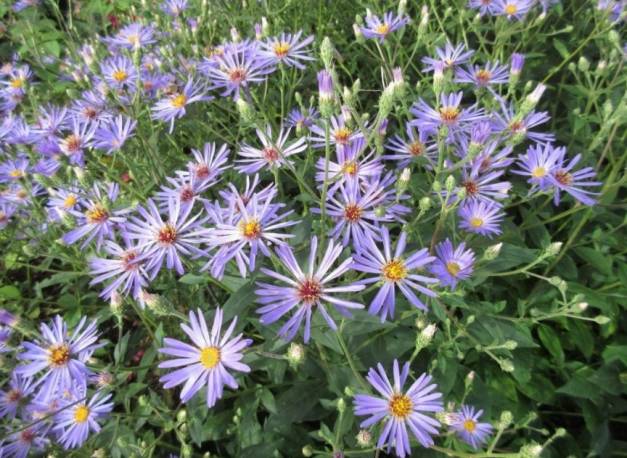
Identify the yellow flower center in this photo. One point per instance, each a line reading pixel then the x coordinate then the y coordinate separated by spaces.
pixel 350 168
pixel 394 270
pixel 69 201
pixel 476 222
pixel 81 414
pixel 449 115
pixel 400 406
pixel 250 229
pixel 538 172
pixel 342 135
pixel 120 75
pixel 210 357
pixel 72 143
pixel 382 29
pixel 483 76
pixel 59 355
pixel 510 9
pixel 453 268
pixel 96 214
pixel 281 49
pixel 17 173
pixel 133 39
pixel 470 425
pixel 17 83
pixel 178 101
pixel 416 148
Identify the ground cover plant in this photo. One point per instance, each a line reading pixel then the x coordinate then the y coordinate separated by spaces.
pixel 314 228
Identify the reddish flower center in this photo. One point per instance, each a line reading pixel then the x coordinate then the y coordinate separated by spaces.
pixel 72 143
pixel 237 75
pixel 90 113
pixel 471 187
pixel 270 153
pixel 517 126
pixel 27 436
pixel 202 171
pixel 416 148
pixel 97 214
pixel 309 291
pixel 13 396
pixel 342 135
pixel 563 177
pixel 187 193
pixel 483 76
pixel 167 235
pixel 352 213
pixel 127 259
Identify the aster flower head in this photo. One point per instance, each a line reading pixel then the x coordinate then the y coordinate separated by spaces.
pixel 247 229
pixel 482 184
pixel 174 8
pixel 483 217
pixel 119 72
pixel 450 57
pixel 302 119
pixel 484 6
pixel 61 357
pixel 208 164
pixel 184 188
pixel 511 125
pixel 517 63
pixel 99 219
pixel 575 183
pixel 418 144
pixel 288 49
pixel 378 28
pixel 483 75
pixel 19 389
pixel 341 133
pixel 306 290
pixel 123 269
pixel 30 440
pixel 73 145
pixel 165 239
pixel 91 107
pixel 468 428
pixel 400 409
pixel 79 418
pixel 231 194
pixel 452 264
pixel 7 210
pixel 326 92
pixel 133 36
pixel 207 362
pixel 62 201
pixel 52 120
pixel 394 269
pixel 274 153
pixel 17 80
pixel 5 336
pixel 351 163
pixel 173 106
pixel 240 65
pixel 14 169
pixel 513 9
pixel 111 135
pixel 539 163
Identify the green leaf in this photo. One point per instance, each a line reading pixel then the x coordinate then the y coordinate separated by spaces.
pixel 9 292
pixel 551 342
pixel 596 259
pixel 615 353
pixel 561 48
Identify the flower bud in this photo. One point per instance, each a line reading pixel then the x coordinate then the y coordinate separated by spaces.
pixel 507 365
pixel 425 336
pixel 469 379
pixel 492 252
pixel 553 248
pixel 510 345
pixel 380 211
pixel 449 183
pixel 358 35
pixel 505 420
pixel 246 111
pixel 295 354
pixel 326 53
pixel 181 416
pixel 341 405
pixel 532 450
pixel 601 319
pixel 363 438
pixel 583 64
pixel 420 322
pixel 265 27
pixel 424 204
pixel 581 306
pixel 235 36
pixel 307 451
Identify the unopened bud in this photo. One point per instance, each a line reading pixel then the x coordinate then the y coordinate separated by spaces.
pixel 235 36
pixel 295 354
pixel 246 111
pixel 363 438
pixel 420 322
pixel 425 336
pixel 553 248
pixel 582 306
pixel 265 27
pixel 181 416
pixel 358 35
pixel 583 64
pixel 307 451
pixel 507 365
pixel 405 175
pixel 505 420
pixel 449 183
pixel 532 450
pixel 424 204
pixel 492 252
pixel 341 405
pixel 510 345
pixel 560 432
pixel 469 378
pixel 380 211
pixel 601 319
pixel 326 53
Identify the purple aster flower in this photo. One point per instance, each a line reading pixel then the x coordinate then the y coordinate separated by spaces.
pixel 184 188
pixel 393 270
pixel 490 159
pixel 450 57
pixel 162 240
pixel 74 144
pixel 231 194
pixel 173 107
pixel 274 153
pixel 420 143
pixel 452 264
pixel 119 72
pixel 448 114
pixel 467 426
pixel 7 210
pixel 17 80
pixel 99 220
pixel 14 169
pixel 288 49
pixel 340 134
pixel 61 356
pixel 174 8
pixel 125 269
pixel 512 9
pixel 207 362
pixel 539 163
pixel 5 335
pixel 351 164
pixel 400 409
pixel 7 318
pixel 517 63
pixel 19 444
pixel 112 134
pixel 246 230
pixel 511 125
pixel 305 291
pixel 484 6
pixel 482 217
pixel 354 209
pixel 482 185
pixel 77 420
pixel 52 120
pixel 564 179
pixel 91 107
pixel 62 201
pixel 132 36
pixel 380 28
pixel 483 75
pixel 326 92
pixel 302 119
pixel 10 400
pixel 209 164
pixel 238 66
